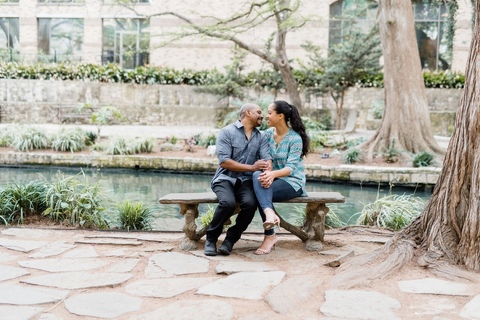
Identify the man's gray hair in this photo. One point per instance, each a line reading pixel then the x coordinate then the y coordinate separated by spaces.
pixel 246 107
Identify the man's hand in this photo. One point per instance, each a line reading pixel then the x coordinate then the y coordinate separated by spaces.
pixel 260 165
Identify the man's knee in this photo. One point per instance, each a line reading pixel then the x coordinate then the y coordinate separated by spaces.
pixel 228 204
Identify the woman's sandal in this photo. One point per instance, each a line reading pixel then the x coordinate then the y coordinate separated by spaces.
pixel 267 225
pixel 261 251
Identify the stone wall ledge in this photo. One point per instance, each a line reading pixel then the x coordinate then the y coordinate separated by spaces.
pixel 355 174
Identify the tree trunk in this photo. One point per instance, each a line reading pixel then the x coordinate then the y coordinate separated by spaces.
pixel 339 107
pixel 406 119
pixel 283 63
pixel 449 227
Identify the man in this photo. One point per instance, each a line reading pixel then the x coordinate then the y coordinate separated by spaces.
pixel 241 150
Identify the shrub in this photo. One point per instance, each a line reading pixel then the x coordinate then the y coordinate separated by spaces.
pixel 351 156
pixel 377 109
pixel 29 138
pixel 20 201
pixel 390 154
pixel 207 216
pixel 125 146
pixel 7 135
pixel 423 159
pixel 69 139
pixel 135 215
pixel 392 211
pixel 207 141
pixel 90 138
pixel 76 201
pixel 332 220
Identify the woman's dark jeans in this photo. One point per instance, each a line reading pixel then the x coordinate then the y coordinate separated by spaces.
pixel 279 190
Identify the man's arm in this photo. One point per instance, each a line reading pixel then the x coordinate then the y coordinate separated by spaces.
pixel 240 167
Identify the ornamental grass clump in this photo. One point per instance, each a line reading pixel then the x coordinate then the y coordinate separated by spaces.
pixel 352 156
pixel 7 134
pixel 17 202
pixel 207 217
pixel 30 138
pixel 69 139
pixel 332 220
pixel 135 216
pixel 392 211
pixel 423 159
pixel 69 199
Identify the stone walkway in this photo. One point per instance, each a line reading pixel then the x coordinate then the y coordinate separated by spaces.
pixel 71 274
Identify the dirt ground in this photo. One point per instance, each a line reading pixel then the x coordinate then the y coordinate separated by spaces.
pixel 291 257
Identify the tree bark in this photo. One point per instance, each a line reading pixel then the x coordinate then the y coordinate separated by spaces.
pixel 406 119
pixel 449 227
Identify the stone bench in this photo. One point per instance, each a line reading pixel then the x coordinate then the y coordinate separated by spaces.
pixel 72 115
pixel 311 233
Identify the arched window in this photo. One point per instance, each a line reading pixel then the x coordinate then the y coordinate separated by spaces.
pixel 431 25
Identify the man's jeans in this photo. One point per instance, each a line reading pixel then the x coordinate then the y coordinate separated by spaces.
pixel 228 195
pixel 279 190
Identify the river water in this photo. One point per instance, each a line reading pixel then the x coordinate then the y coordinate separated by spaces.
pixel 149 186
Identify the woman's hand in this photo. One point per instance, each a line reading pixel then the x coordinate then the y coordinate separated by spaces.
pixel 266 178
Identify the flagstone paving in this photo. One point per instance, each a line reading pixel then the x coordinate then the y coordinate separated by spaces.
pixel 73 274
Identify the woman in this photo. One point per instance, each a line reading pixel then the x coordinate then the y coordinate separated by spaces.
pixel 289 143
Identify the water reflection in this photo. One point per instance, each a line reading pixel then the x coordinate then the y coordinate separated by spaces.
pixel 149 186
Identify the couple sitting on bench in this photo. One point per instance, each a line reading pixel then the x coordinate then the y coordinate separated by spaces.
pixel 253 166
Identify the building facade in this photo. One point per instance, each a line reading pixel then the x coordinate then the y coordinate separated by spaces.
pixel 104 31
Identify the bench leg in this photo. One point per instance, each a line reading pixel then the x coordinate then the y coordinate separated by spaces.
pixel 315 225
pixel 190 228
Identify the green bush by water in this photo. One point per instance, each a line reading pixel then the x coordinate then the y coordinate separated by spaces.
pixel 17 202
pixel 135 216
pixel 77 201
pixel 391 211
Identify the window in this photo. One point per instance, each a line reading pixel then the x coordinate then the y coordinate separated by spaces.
pixel 60 1
pixel 126 42
pixel 431 24
pixel 117 1
pixel 348 14
pixel 9 38
pixel 431 30
pixel 60 39
pixel 8 1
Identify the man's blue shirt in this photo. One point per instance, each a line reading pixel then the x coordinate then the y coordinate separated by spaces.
pixel 232 143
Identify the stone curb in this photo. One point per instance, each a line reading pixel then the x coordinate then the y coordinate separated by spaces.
pixel 409 177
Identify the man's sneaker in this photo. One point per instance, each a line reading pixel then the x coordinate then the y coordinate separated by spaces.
pixel 210 248
pixel 226 247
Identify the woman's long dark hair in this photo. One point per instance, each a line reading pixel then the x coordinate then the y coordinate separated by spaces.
pixel 291 115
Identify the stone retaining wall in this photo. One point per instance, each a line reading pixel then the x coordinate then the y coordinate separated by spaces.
pixel 409 177
pixel 37 101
